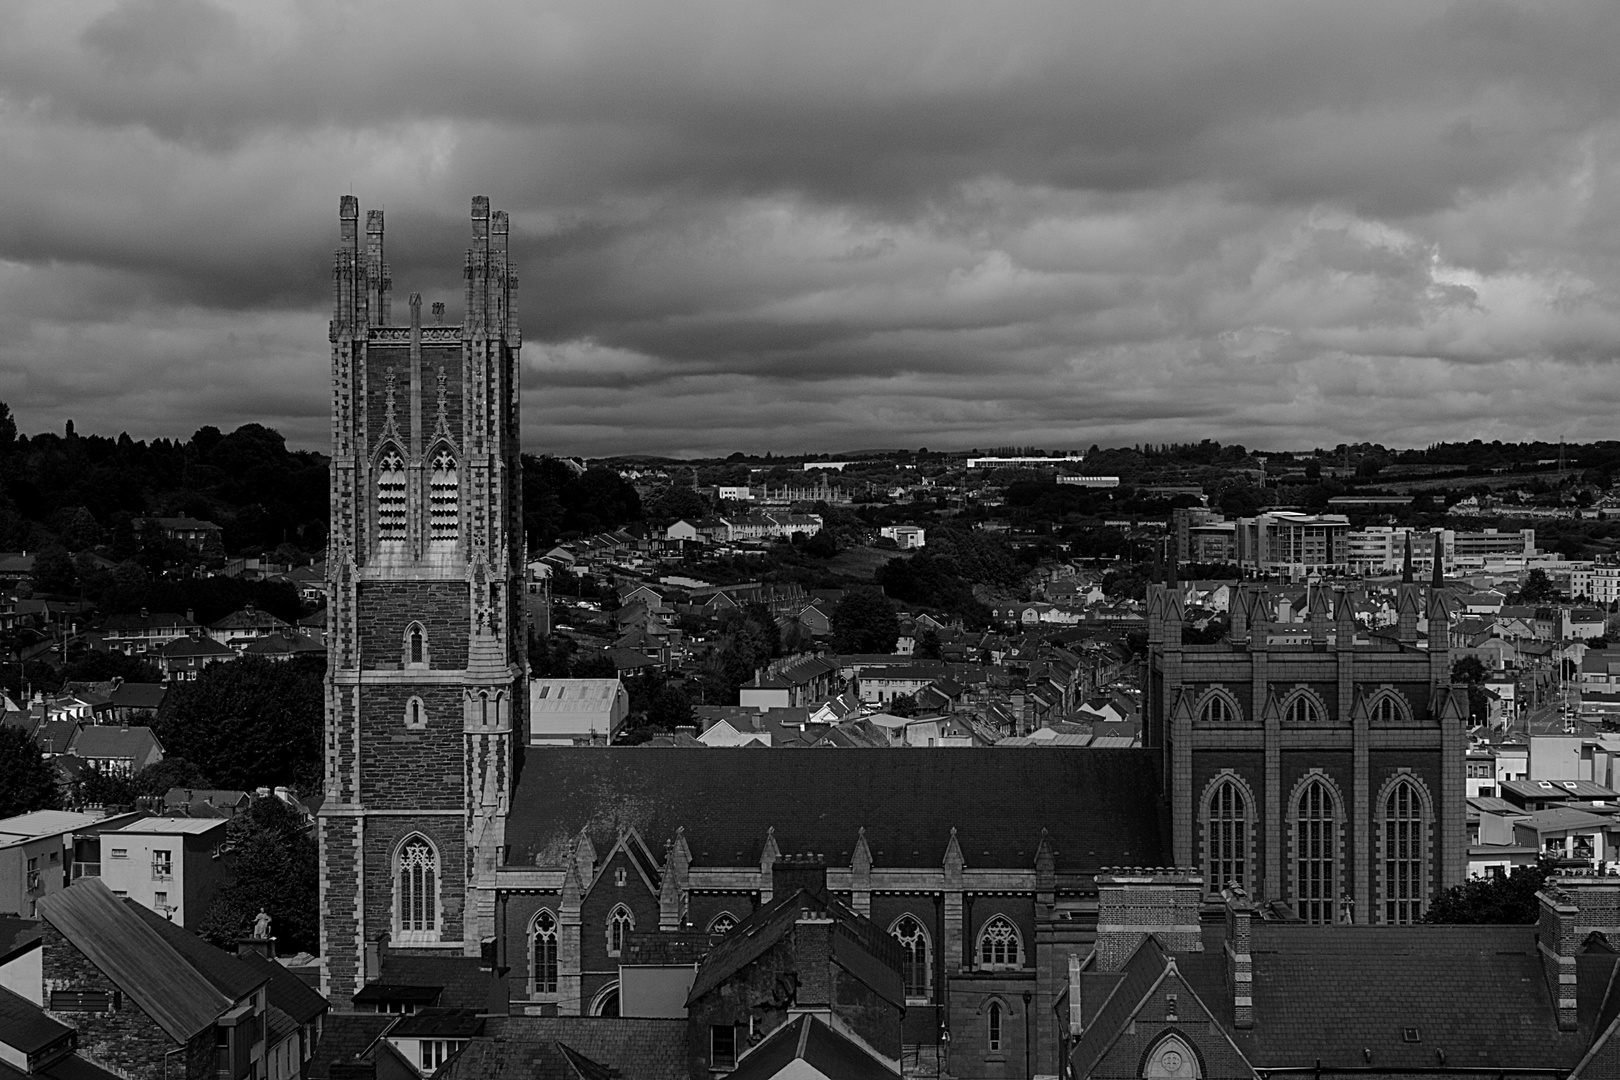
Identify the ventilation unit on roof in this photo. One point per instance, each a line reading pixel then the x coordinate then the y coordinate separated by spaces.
pixel 1410 1035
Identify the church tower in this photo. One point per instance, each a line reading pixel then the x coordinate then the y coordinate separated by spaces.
pixel 426 682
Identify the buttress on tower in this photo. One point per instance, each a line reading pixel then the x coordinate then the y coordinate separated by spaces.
pixel 425 676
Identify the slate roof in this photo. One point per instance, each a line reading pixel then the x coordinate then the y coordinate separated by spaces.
pixel 177 979
pixel 1099 807
pixel 105 741
pixel 1124 992
pixel 438 1023
pixel 344 1037
pixel 857 946
pixel 463 980
pixel 1330 992
pixel 287 992
pixel 17 936
pixel 533 1048
pixel 188 646
pixel 24 1026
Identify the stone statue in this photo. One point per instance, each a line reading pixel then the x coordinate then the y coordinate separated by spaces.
pixel 261 926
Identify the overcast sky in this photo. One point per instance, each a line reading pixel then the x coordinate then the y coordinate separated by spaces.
pixel 800 226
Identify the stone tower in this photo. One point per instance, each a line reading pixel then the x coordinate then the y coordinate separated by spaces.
pixel 425 682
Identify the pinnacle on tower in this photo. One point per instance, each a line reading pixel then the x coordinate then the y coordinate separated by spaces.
pixel 1406 568
pixel 1438 580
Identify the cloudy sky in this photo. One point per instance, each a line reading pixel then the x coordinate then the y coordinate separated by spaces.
pixel 808 225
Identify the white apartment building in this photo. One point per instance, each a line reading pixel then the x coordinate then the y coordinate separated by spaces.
pixel 165 863
pixel 906 537
pixel 1381 549
pixel 1599 582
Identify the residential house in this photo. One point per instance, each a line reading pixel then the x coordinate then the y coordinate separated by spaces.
pixel 906 537
pixel 571 712
pixel 16 569
pixel 35 849
pixel 184 659
pixel 295 1016
pixel 284 645
pixel 790 682
pixel 170 865
pixel 33 1044
pixel 117 751
pixel 146 632
pixel 241 628
pixel 145 996
pixel 189 531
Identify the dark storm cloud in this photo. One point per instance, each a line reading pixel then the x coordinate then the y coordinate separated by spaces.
pixel 842 224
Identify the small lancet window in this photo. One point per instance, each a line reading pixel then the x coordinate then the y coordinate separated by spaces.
pixel 418 652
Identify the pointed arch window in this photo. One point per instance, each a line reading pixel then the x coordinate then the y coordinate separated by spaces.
pixel 444 499
pixel 1405 843
pixel 917 968
pixel 723 923
pixel 1303 709
pixel 1172 1057
pixel 415 713
pixel 1218 709
pixel 1316 851
pixel 1386 709
pixel 1226 836
pixel 416 892
pixel 999 945
pixel 391 496
pixel 993 1026
pixel 416 645
pixel 544 939
pixel 619 925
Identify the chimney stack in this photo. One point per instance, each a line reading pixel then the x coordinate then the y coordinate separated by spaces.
pixel 1134 901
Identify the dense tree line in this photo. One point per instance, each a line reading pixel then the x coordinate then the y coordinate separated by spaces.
pixel 561 500
pixel 250 723
pixel 83 492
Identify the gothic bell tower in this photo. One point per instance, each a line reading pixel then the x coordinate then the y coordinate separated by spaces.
pixel 426 678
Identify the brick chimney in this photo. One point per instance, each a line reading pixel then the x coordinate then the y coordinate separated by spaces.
pixel 1135 901
pixel 790 873
pixel 1571 909
pixel 812 955
pixel 1239 959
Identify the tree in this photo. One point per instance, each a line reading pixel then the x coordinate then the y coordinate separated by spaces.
pixel 97 788
pixel 171 772
pixel 864 621
pixel 250 722
pixel 902 705
pixel 27 781
pixel 1471 672
pixel 54 572
pixel 1510 899
pixel 96 665
pixel 1537 588
pixel 272 861
pixel 928 645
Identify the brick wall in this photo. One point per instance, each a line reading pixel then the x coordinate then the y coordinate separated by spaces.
pixel 387 608
pixel 127 1038
pixel 383 836
pixel 411 768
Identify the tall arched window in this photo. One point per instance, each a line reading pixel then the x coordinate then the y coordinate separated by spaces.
pixel 722 923
pixel 416 890
pixel 391 496
pixel 444 499
pixel 1303 709
pixel 992 1023
pixel 544 937
pixel 916 968
pixel 999 945
pixel 619 924
pixel 1405 852
pixel 416 644
pixel 1316 851
pixel 1226 836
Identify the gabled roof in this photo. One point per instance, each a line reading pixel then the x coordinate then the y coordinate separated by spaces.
pixel 287 991
pixel 856 944
pixel 99 741
pixel 808 1040
pixel 565 1048
pixel 189 646
pixel 180 981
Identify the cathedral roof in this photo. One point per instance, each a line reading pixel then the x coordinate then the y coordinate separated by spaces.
pixel 1099 807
